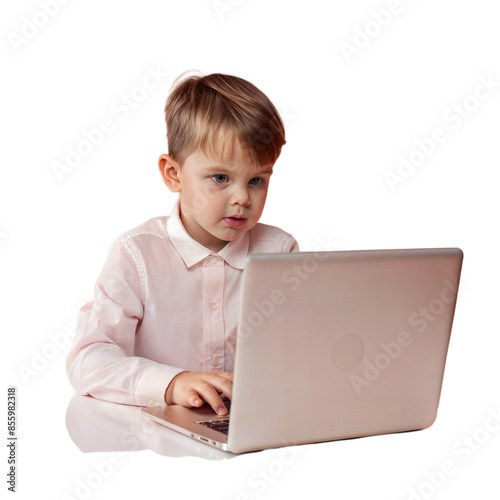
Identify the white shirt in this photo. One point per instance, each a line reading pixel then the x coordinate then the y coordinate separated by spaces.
pixel 163 304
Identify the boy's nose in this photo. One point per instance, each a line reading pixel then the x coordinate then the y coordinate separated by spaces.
pixel 241 197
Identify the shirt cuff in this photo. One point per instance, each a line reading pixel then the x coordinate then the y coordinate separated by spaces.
pixel 151 387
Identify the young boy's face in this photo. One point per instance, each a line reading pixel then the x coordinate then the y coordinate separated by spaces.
pixel 220 198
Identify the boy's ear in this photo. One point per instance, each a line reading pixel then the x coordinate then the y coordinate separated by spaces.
pixel 169 170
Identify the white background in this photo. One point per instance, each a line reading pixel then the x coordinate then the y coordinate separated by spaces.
pixel 348 119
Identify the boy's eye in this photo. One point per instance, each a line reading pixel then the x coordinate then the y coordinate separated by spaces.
pixel 255 181
pixel 220 178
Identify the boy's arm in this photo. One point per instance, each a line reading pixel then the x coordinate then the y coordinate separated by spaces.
pixel 102 361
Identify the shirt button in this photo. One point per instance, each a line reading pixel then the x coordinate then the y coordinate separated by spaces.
pixel 214 362
pixel 152 403
pixel 213 306
pixel 213 260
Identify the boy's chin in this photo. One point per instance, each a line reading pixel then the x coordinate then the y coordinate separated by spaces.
pixel 222 240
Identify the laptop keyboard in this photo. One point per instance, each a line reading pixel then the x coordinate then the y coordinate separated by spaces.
pixel 221 424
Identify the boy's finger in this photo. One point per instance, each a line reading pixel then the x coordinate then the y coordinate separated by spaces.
pixel 211 396
pixel 223 384
pixel 227 375
pixel 192 398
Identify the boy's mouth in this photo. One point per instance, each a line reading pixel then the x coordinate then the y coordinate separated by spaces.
pixel 234 221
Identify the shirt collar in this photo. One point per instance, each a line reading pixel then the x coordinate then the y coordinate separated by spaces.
pixel 192 252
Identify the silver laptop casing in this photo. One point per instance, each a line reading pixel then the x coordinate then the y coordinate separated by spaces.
pixel 335 345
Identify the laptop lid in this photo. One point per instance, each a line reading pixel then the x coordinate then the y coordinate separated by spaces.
pixel 341 344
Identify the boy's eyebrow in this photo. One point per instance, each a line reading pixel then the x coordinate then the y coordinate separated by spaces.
pixel 218 168
pixel 225 168
pixel 268 170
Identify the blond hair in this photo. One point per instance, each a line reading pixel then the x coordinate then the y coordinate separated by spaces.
pixel 201 110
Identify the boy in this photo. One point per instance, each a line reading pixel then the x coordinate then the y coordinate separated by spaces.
pixel 162 326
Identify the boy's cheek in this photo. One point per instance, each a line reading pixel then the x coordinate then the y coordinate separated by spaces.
pixel 202 199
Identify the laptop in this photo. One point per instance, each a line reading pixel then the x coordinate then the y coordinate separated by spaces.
pixel 333 345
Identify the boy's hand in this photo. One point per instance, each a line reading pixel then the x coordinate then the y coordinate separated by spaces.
pixel 192 388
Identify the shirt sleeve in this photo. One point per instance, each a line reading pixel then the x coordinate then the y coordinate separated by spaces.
pixel 290 245
pixel 102 362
